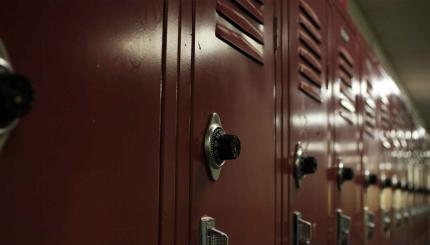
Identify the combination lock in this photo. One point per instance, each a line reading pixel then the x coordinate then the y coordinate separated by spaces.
pixel 16 96
pixel 303 165
pixel 219 146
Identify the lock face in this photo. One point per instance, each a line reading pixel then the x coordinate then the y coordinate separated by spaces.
pixel 343 227
pixel 369 179
pixel 5 68
pixel 343 174
pixel 219 146
pixel 209 234
pixel 302 230
pixel 302 165
pixel 369 224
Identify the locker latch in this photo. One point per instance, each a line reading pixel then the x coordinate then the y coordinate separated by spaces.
pixel 369 221
pixel 303 165
pixel 343 228
pixel 399 217
pixel 219 146
pixel 386 221
pixel 406 215
pixel 209 234
pixel 302 230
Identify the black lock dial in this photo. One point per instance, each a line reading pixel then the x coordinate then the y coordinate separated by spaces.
pixel 16 97
pixel 224 146
pixel 347 174
pixel 386 182
pixel 370 179
pixel 344 174
pixel 309 165
pixel 303 165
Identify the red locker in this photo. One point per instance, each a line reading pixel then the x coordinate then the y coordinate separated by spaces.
pixel 371 147
pixel 232 109
pixel 84 166
pixel 399 169
pixel 346 191
pixel 308 120
pixel 386 169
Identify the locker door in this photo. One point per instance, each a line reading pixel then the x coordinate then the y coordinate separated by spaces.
pixel 308 122
pixel 234 78
pixel 385 167
pixel 399 166
pixel 345 165
pixel 370 155
pixel 83 167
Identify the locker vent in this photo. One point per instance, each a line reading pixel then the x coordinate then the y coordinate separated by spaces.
pixel 385 123
pixel 240 24
pixel 309 51
pixel 346 93
pixel 369 109
pixel 395 115
pixel 385 115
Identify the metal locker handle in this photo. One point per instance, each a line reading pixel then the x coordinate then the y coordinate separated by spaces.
pixel 386 221
pixel 302 230
pixel 209 234
pixel 369 221
pixel 343 228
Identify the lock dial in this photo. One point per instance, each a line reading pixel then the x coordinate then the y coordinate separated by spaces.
pixel 344 174
pixel 303 165
pixel 219 146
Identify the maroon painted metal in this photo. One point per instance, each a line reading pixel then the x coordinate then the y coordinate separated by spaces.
pixel 346 197
pixel 369 133
pixel 84 166
pixel 234 75
pixel 308 115
pixel 113 151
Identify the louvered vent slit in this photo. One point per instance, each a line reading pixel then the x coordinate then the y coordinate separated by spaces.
pixel 310 59
pixel 310 75
pixel 347 98
pixel 310 52
pixel 385 123
pixel 240 24
pixel 254 9
pixel 345 79
pixel 307 26
pixel 310 14
pixel 369 110
pixel 310 44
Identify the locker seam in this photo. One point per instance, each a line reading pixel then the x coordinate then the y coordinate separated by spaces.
pixel 162 124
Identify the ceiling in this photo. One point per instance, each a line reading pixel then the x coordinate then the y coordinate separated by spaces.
pixel 403 30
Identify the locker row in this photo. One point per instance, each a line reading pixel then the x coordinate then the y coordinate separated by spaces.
pixel 207 122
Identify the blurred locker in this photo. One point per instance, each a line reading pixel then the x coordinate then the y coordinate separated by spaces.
pixel 371 147
pixel 84 166
pixel 347 211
